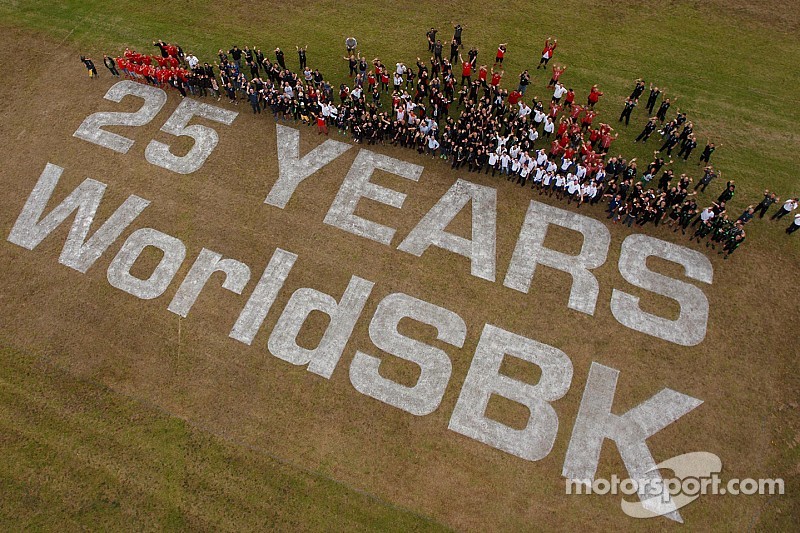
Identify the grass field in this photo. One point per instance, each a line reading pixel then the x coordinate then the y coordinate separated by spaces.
pixel 115 413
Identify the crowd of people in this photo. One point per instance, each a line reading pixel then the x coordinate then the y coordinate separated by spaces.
pixel 558 147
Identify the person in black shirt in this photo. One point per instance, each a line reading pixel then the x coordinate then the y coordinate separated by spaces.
pixel 110 65
pixel 727 194
pixel 89 64
pixel 638 89
pixel 352 63
pixel 661 114
pixel 669 143
pixel 236 54
pixel 279 57
pixel 649 128
pixel 769 199
pixel 161 46
pixel 301 53
pixel 454 45
pixel 524 81
pixel 431 35
pixel 651 100
pixel 707 151
pixel 457 29
pixel 437 50
pixel 686 148
pixel 630 103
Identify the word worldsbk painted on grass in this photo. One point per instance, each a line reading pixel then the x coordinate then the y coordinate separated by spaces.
pixel 595 421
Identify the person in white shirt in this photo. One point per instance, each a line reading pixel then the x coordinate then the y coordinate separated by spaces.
pixel 192 61
pixel 493 159
pixel 561 181
pixel 541 157
pixel 523 175
pixel 538 176
pixel 788 206
pixel 795 225
pixel 549 127
pixel 573 188
pixel 588 192
pixel 533 134
pixel 505 159
pixel 524 109
pixel 580 172
pixel 547 184
pixel 433 145
pixel 558 92
pixel 538 116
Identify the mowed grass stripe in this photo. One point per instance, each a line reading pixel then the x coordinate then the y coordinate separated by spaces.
pixel 76 455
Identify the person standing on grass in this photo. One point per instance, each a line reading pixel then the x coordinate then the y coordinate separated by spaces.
pixel 431 35
pixel 795 225
pixel 788 206
pixel 726 195
pixel 661 114
pixel 524 81
pixel 558 70
pixel 769 199
pixel 301 54
pixel 454 46
pixel 457 29
pixel 594 96
pixel 630 103
pixel 707 151
pixel 547 52
pixel 501 53
pixel 655 92
pixel 648 130
pixel 638 90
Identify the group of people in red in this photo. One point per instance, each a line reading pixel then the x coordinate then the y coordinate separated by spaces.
pixel 154 69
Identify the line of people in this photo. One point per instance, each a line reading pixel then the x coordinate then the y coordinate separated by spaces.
pixel 491 129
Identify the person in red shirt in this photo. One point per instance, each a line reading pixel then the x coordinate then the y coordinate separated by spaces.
pixel 569 152
pixel 558 70
pixel 514 97
pixel 605 142
pixel 594 136
pixel 594 96
pixel 501 53
pixel 466 71
pixel 556 149
pixel 122 65
pixel 547 52
pixel 322 126
pixel 569 99
pixel 574 111
pixel 385 79
pixel 496 76
pixel 586 123
pixel 562 127
pixel 482 73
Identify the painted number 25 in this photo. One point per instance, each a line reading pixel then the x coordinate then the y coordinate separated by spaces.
pixel 157 153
